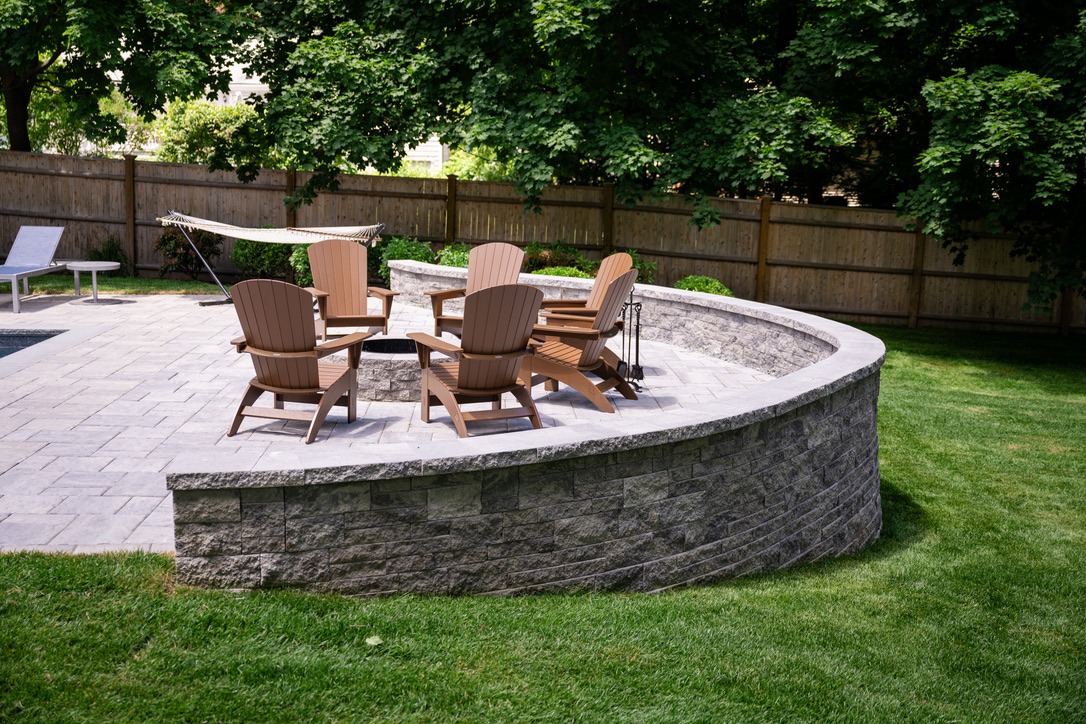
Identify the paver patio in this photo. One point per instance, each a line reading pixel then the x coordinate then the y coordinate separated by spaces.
pixel 93 420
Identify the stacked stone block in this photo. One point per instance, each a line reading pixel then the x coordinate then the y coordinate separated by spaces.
pixel 761 497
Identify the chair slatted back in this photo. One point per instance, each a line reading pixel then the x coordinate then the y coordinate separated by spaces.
pixel 497 320
pixel 339 268
pixel 34 246
pixel 493 264
pixel 611 306
pixel 610 269
pixel 278 317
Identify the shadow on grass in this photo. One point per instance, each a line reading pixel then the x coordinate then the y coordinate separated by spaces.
pixel 1049 360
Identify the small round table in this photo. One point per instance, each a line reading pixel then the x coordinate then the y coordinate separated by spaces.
pixel 93 267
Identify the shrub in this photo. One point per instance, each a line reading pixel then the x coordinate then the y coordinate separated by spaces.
pixel 258 259
pixel 454 255
pixel 543 256
pixel 402 247
pixel 695 283
pixel 646 270
pixel 299 262
pixel 111 250
pixel 563 271
pixel 178 256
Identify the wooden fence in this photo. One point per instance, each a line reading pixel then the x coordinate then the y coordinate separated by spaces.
pixel 848 263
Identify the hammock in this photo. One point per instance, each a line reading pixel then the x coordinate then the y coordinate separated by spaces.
pixel 367 235
pixel 290 235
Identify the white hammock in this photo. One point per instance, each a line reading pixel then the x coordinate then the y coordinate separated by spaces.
pixel 290 235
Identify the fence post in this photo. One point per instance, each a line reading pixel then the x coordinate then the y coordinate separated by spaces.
pixel 607 219
pixel 1067 308
pixel 763 249
pixel 130 211
pixel 916 282
pixel 450 210
pixel 291 209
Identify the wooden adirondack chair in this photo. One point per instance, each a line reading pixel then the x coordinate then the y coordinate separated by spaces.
pixel 497 328
pixel 569 352
pixel 277 323
pixel 340 285
pixel 610 269
pixel 31 255
pixel 489 265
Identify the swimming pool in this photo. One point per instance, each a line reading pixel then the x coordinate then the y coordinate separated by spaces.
pixel 13 340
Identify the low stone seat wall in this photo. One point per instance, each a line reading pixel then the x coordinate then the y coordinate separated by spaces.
pixel 760 479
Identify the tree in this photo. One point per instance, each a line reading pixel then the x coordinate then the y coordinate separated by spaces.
pixel 211 134
pixel 151 50
pixel 967 113
pixel 652 95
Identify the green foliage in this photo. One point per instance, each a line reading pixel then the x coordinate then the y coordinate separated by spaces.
pixel 299 262
pixel 563 271
pixel 221 137
pixel 709 285
pixel 403 247
pixel 478 164
pixel 646 270
pixel 257 259
pixel 111 250
pixel 1008 150
pixel 178 255
pixel 454 255
pixel 541 256
pixel 149 51
pixel 55 125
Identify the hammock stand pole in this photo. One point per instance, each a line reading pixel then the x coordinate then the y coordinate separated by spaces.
pixel 207 266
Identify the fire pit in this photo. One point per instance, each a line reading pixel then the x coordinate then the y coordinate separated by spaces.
pixel 388 370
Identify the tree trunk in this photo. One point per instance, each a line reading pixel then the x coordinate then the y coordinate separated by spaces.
pixel 17 106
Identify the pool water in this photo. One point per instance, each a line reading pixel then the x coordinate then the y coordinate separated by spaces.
pixel 13 341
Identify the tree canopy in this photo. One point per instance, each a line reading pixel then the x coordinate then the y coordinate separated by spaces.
pixel 954 112
pixel 151 50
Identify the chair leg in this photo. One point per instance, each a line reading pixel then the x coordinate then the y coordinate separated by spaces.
pixel 448 401
pixel 524 397
pixel 15 296
pixel 352 394
pixel 331 395
pixel 251 395
pixel 424 397
pixel 574 378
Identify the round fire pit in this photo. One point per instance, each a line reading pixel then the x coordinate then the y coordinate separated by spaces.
pixel 388 370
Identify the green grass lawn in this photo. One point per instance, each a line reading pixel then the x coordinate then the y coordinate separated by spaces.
pixel 64 283
pixel 971 607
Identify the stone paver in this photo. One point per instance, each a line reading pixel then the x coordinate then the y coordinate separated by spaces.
pixel 92 420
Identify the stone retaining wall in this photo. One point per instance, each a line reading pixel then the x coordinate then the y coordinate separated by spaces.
pixel 760 480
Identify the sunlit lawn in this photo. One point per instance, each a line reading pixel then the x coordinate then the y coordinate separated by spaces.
pixel 971 607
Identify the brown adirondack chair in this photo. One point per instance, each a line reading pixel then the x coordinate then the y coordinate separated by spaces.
pixel 497 328
pixel 610 269
pixel 277 323
pixel 570 351
pixel 341 287
pixel 489 265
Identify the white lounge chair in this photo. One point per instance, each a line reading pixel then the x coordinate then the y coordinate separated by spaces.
pixel 31 255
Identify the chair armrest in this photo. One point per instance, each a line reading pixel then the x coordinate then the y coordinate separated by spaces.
pixel 439 297
pixel 429 341
pixel 352 343
pixel 239 343
pixel 317 293
pixel 550 303
pixel 426 343
pixel 569 320
pixel 341 343
pixel 444 294
pixel 380 292
pixel 554 330
pixel 505 355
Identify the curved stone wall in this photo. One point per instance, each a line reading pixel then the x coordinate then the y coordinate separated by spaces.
pixel 759 480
